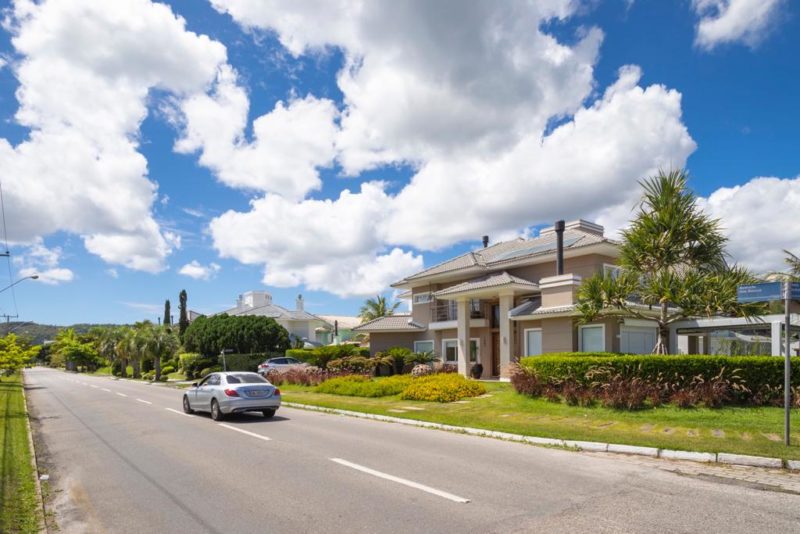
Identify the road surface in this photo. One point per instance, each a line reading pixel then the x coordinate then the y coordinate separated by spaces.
pixel 123 458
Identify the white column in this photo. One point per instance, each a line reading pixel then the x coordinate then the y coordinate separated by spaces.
pixel 462 321
pixel 776 338
pixel 506 303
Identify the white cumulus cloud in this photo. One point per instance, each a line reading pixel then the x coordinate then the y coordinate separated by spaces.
pixel 194 269
pixel 39 260
pixel 289 143
pixel 468 99
pixel 730 21
pixel 85 69
pixel 760 220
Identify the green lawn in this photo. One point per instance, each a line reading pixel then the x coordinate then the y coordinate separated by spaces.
pixel 18 500
pixel 756 431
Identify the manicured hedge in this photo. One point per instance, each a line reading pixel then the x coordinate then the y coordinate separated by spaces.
pixel 362 386
pixel 320 356
pixel 245 362
pixel 755 372
pixel 442 388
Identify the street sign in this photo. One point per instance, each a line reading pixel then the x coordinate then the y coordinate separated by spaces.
pixel 761 292
pixel 794 290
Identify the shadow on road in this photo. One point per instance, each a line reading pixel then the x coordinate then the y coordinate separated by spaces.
pixel 247 418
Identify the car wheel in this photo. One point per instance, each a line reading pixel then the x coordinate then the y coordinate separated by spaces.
pixel 216 413
pixel 268 413
pixel 186 407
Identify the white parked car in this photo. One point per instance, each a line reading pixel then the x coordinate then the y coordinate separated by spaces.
pixel 232 392
pixel 279 364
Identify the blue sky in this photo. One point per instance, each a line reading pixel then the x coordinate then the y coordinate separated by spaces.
pixel 442 123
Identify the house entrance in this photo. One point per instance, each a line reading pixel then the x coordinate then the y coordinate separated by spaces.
pixel 495 353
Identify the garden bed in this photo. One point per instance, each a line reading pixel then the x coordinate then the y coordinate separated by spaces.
pixel 741 430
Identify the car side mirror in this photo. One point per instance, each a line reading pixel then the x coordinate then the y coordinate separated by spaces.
pixel 194 384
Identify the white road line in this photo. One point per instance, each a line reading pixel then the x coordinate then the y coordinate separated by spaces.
pixel 253 434
pixel 177 412
pixel 403 481
pixel 121 394
pixel 144 401
pixel 106 390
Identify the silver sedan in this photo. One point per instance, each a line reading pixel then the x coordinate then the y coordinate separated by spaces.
pixel 232 392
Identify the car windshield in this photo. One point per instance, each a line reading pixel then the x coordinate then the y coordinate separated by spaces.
pixel 245 378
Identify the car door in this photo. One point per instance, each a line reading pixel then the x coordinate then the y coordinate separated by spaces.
pixel 193 392
pixel 203 393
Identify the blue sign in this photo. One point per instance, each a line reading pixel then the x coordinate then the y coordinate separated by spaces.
pixel 761 292
pixel 794 290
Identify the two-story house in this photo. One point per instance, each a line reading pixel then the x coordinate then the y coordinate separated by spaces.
pixel 512 299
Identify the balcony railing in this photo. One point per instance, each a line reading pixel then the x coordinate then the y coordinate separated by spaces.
pixel 448 310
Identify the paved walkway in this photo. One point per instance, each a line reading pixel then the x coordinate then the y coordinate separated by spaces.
pixel 755 477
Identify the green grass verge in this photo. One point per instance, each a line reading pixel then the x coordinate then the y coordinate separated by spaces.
pixel 18 499
pixel 755 431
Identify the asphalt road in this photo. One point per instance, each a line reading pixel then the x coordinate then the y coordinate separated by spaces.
pixel 122 458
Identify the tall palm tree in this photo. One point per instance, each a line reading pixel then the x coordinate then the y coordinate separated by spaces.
pixel 107 339
pixel 377 307
pixel 161 343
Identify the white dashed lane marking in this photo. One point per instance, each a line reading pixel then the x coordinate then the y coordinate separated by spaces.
pixel 403 481
pixel 252 434
pixel 177 412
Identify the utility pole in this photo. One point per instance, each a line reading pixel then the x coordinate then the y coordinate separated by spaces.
pixel 8 321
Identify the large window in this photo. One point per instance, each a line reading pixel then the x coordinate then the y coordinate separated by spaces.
pixel 592 338
pixel 423 346
pixel 533 342
pixel 422 298
pixel 450 350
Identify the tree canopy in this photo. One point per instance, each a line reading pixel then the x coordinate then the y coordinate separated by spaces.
pixel 673 264
pixel 377 307
pixel 15 353
pixel 241 334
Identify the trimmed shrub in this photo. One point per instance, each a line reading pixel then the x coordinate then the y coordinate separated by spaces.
pixel 167 370
pixel 631 381
pixel 116 368
pixel 187 359
pixel 320 356
pixel 442 388
pixel 208 370
pixel 353 364
pixel 362 386
pixel 246 362
pixel 149 375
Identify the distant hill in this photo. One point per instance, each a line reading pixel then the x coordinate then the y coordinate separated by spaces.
pixel 39 333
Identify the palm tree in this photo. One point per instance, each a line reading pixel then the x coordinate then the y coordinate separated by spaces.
pixel 377 307
pixel 794 265
pixel 161 343
pixel 107 339
pixel 673 264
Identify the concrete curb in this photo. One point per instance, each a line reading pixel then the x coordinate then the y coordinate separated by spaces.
pixel 588 446
pixel 34 463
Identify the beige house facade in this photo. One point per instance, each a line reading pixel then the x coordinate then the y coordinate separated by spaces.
pixel 508 300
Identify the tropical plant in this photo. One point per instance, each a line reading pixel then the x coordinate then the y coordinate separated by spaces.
pixel 377 307
pixel 15 353
pixel 160 343
pixel 673 264
pixel 794 265
pixel 70 349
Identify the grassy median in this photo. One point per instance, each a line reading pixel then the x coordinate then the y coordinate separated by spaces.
pixel 19 504
pixel 755 431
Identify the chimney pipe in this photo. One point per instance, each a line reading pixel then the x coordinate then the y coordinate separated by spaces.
pixel 485 241
pixel 559 227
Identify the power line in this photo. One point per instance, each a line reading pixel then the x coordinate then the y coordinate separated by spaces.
pixel 7 253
